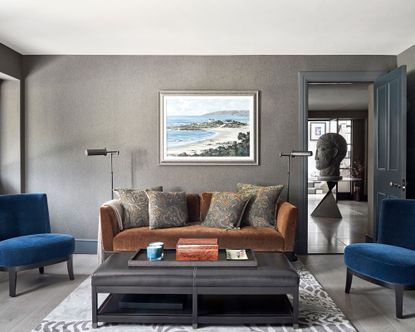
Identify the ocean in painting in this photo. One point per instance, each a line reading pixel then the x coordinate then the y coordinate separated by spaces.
pixel 177 136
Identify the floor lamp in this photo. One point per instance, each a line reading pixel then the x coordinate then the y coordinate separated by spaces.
pixel 104 152
pixel 289 155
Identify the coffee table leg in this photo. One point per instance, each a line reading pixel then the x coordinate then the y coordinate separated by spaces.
pixel 295 308
pixel 194 309
pixel 94 308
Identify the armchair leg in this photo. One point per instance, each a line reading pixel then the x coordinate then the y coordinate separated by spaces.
pixel 399 300
pixel 41 269
pixel 349 278
pixel 69 264
pixel 12 282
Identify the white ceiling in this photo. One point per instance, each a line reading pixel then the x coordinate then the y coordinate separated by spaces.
pixel 219 27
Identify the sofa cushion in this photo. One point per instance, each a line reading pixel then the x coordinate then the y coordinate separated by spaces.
pixel 167 209
pixel 259 238
pixel 36 248
pixel 226 210
pixel 261 209
pixel 382 262
pixel 193 207
pixel 135 204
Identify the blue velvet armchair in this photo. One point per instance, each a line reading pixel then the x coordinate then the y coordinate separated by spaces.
pixel 391 261
pixel 25 238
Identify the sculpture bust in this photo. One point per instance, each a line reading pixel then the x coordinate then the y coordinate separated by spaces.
pixel 331 150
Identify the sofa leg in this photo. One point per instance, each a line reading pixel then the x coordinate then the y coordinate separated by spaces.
pixel 12 282
pixel 291 256
pixel 69 264
pixel 42 270
pixel 349 278
pixel 399 300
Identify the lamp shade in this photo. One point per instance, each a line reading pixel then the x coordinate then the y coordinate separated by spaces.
pixel 96 152
pixel 297 154
pixel 301 153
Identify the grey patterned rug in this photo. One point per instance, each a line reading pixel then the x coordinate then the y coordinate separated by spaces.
pixel 318 312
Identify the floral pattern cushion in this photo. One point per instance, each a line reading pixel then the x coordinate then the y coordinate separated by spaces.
pixel 135 205
pixel 226 210
pixel 167 209
pixel 260 211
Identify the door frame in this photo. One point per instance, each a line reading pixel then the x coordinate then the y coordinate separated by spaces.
pixel 304 78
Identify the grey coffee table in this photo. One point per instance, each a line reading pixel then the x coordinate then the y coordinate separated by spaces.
pixel 196 295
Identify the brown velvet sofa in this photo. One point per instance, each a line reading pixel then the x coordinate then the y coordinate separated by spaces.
pixel 281 238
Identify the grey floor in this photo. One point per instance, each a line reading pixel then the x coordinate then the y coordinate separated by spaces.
pixel 39 294
pixel 332 235
pixel 369 307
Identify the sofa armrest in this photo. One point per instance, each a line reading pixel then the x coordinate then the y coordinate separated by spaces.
pixel 287 220
pixel 109 226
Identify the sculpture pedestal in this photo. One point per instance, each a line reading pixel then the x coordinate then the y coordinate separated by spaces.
pixel 327 207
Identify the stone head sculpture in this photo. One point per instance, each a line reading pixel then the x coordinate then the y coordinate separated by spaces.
pixel 331 149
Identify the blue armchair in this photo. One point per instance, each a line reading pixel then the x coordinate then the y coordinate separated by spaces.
pixel 25 238
pixel 391 261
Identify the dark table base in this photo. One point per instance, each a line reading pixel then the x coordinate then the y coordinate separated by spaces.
pixel 210 309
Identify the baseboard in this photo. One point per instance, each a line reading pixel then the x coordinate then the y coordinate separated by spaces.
pixel 85 246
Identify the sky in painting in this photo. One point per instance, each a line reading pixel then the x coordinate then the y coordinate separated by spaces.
pixel 199 105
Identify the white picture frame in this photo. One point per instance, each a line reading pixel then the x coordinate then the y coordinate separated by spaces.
pixel 212 127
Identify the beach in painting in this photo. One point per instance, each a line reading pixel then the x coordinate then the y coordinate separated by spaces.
pixel 219 133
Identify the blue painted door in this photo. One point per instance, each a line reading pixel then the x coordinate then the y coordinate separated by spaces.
pixel 390 138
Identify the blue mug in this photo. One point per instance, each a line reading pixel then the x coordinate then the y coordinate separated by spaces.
pixel 156 244
pixel 154 253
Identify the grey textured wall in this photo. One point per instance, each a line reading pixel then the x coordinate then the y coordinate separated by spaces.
pixel 9 137
pixel 10 62
pixel 408 58
pixel 75 102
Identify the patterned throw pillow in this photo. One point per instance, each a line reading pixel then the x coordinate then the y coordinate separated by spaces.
pixel 226 210
pixel 260 211
pixel 167 209
pixel 135 204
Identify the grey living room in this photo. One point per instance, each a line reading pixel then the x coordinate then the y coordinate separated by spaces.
pixel 207 165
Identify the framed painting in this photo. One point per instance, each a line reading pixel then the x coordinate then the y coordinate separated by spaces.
pixel 316 130
pixel 208 127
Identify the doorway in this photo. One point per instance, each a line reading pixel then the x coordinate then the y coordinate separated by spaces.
pixel 338 209
pixel 305 79
pixel 387 147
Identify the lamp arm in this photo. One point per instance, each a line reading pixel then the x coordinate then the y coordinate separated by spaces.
pixel 290 155
pixel 105 152
pixel 111 152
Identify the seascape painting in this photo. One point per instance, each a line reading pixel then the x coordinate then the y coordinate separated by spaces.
pixel 208 127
